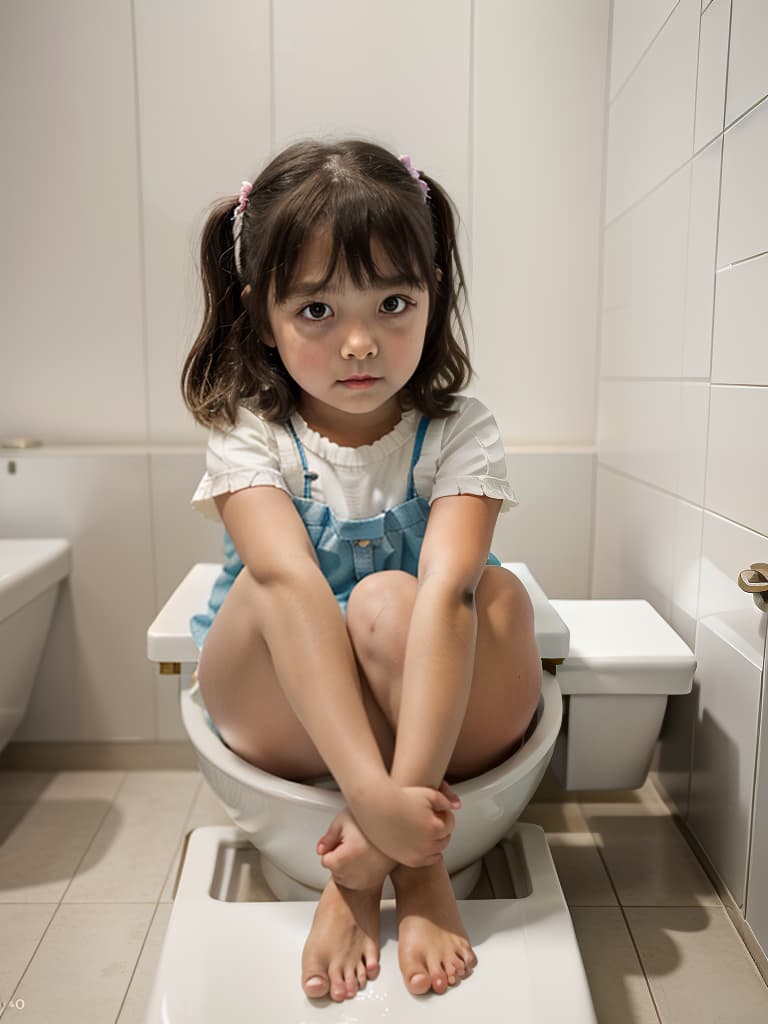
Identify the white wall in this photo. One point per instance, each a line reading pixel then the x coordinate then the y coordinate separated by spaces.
pixel 682 492
pixel 122 121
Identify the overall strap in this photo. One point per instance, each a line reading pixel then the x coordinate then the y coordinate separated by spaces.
pixel 421 431
pixel 308 477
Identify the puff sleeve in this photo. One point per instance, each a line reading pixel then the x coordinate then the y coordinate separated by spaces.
pixel 471 458
pixel 246 456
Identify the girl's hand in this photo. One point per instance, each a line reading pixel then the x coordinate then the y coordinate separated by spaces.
pixel 353 861
pixel 410 824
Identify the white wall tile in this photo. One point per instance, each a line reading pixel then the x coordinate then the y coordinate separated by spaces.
pixel 182 536
pixel 656 432
pixel 71 280
pixel 204 115
pixel 647 545
pixel 757 878
pixel 645 270
pixel 747 71
pixel 739 352
pixel 744 198
pixel 727 548
pixel 724 749
pixel 650 131
pixel 737 485
pixel 702 247
pixel 346 68
pixel 635 541
pixel 686 570
pixel 550 530
pixel 94 682
pixel 539 88
pixel 634 28
pixel 713 63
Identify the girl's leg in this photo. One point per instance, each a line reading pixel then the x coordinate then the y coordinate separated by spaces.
pixel 247 703
pixel 433 947
pixel 506 682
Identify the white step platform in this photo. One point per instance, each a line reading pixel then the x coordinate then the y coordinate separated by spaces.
pixel 226 959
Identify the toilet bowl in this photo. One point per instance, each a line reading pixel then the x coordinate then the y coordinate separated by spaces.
pixel 626 659
pixel 30 574
pixel 285 819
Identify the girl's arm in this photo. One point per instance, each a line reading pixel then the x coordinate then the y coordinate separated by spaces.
pixel 440 652
pixel 313 659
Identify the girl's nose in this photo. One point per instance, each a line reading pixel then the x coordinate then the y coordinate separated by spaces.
pixel 359 342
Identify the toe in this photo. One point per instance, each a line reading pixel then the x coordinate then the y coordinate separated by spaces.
pixel 417 980
pixel 371 959
pixel 361 974
pixel 459 967
pixel 437 975
pixel 315 986
pixel 350 981
pixel 338 987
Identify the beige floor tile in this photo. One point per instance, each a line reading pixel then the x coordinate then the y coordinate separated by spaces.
pixel 21 927
pixel 648 860
pixel 558 818
pixel 582 875
pixel 140 988
pixel 619 990
pixel 41 845
pixel 84 964
pixel 206 810
pixel 129 858
pixel 26 786
pixel 697 967
pixel 631 803
pixel 31 786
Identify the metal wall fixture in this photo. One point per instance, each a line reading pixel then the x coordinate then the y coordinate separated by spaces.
pixel 754 581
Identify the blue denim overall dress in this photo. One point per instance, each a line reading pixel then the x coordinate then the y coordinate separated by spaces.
pixel 347 550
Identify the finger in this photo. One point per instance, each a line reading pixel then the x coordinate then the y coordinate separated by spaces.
pixel 453 797
pixel 332 861
pixel 446 822
pixel 330 840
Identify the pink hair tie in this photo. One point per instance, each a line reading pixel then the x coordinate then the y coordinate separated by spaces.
pixel 245 191
pixel 408 164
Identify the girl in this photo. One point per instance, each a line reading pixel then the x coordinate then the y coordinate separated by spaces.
pixel 360 627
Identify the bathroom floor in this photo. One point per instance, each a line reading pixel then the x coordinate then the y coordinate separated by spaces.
pixel 88 862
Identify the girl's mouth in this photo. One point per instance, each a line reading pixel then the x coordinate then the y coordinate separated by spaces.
pixel 359 382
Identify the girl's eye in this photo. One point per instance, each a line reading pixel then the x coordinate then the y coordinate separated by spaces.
pixel 394 304
pixel 316 311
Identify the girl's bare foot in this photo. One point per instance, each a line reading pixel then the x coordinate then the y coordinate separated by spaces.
pixel 433 948
pixel 342 950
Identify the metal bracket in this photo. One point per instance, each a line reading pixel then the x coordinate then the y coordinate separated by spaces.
pixel 754 581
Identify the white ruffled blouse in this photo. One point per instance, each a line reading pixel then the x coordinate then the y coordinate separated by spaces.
pixel 461 454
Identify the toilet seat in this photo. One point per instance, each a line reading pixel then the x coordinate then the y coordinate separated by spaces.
pixel 226 960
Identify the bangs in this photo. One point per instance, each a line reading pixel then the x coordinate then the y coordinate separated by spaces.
pixel 356 218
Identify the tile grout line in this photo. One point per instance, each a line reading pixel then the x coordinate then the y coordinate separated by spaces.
pixel 138 961
pixel 624 918
pixel 61 898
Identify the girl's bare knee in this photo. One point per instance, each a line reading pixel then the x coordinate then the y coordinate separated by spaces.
pixel 378 615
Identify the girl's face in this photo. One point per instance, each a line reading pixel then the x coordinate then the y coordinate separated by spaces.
pixel 326 337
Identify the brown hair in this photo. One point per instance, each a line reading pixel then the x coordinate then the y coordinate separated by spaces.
pixel 361 192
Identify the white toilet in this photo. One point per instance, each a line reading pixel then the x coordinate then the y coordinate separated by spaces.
pixel 30 575
pixel 616 661
pixel 615 664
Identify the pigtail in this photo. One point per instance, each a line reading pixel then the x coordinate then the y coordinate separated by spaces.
pixel 216 373
pixel 445 367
